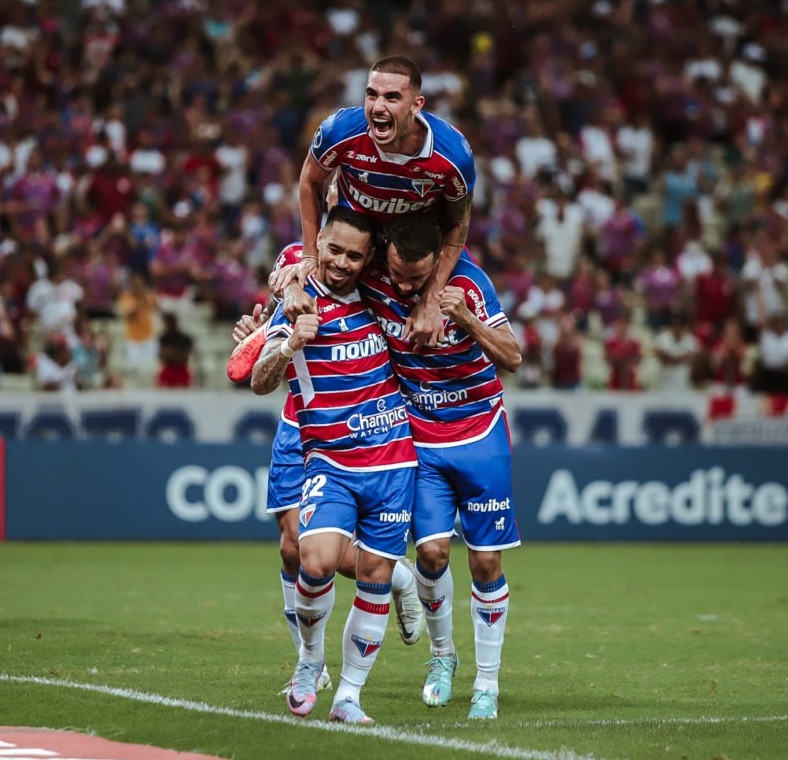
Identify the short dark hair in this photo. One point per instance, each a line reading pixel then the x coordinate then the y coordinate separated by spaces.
pixel 347 215
pixel 399 64
pixel 415 237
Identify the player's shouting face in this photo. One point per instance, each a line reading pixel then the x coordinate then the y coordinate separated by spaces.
pixel 391 105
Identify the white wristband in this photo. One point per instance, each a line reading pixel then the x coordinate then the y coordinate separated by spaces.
pixel 285 350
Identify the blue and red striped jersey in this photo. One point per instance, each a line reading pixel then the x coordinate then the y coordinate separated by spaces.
pixel 453 391
pixel 385 185
pixel 350 409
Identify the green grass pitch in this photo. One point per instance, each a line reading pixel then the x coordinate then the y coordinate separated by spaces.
pixel 612 651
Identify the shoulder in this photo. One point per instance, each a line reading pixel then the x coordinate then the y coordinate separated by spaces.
pixel 340 125
pixel 451 144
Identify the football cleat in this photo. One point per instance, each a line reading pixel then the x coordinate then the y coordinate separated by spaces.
pixel 245 354
pixel 410 613
pixel 484 705
pixel 324 683
pixel 349 711
pixel 302 694
pixel 437 686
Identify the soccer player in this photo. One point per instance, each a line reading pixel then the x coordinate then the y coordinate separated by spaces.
pixel 455 402
pixel 359 460
pixel 392 158
pixel 285 481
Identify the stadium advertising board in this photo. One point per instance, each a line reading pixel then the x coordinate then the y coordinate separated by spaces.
pixel 540 417
pixel 192 491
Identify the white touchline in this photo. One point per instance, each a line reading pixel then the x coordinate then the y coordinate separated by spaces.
pixel 492 748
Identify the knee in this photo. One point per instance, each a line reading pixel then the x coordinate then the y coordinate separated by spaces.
pixel 433 556
pixel 288 551
pixel 485 567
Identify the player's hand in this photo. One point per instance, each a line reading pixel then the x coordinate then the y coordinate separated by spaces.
pixel 297 301
pixel 304 330
pixel 424 326
pixel 453 305
pixel 280 278
pixel 306 267
pixel 248 323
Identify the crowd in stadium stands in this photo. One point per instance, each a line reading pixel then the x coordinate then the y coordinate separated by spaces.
pixel 632 161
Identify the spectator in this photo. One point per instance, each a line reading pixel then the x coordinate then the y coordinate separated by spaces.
pixel 658 283
pixel 54 298
pixel 545 304
pixel 676 349
pixel 764 280
pixel 727 359
pixel 55 369
pixel 561 230
pixel 620 240
pixel 531 371
pixel 636 146
pixel 567 372
pixel 581 292
pixel 716 297
pixel 137 306
pixel 771 373
pixel 175 353
pixel 623 354
pixel 609 301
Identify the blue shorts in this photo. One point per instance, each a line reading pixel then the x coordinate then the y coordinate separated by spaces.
pixel 474 480
pixel 375 505
pixel 286 474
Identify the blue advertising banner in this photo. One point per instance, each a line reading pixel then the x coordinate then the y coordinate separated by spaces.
pixel 107 491
pixel 87 490
pixel 690 493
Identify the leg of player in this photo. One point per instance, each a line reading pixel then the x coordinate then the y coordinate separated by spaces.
pixel 288 550
pixel 404 594
pixel 320 555
pixel 489 609
pixel 436 591
pixel 363 635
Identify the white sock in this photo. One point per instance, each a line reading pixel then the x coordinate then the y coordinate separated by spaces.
pixel 363 637
pixel 400 578
pixel 288 592
pixel 489 609
pixel 314 600
pixel 436 591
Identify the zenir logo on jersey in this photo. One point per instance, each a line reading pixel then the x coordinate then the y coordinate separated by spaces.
pixel 422 186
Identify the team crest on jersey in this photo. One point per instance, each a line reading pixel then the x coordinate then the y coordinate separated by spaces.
pixel 310 621
pixel 491 616
pixel 421 186
pixel 342 324
pixel 365 646
pixel 363 177
pixel 432 605
pixel 305 514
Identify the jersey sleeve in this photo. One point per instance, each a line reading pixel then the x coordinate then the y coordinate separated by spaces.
pixel 480 295
pixel 341 126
